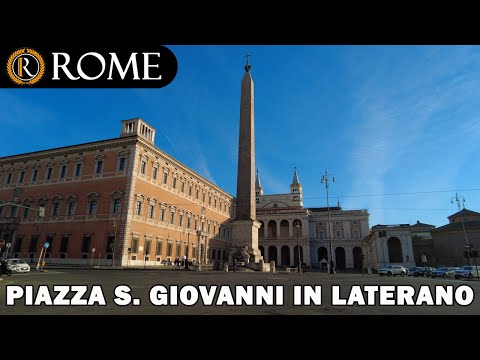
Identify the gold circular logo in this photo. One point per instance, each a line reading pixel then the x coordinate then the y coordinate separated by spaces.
pixel 25 66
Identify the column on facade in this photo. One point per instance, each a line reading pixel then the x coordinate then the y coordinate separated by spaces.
pixel 279 255
pixel 407 249
pixel 292 254
pixel 265 253
pixel 277 223
pixel 348 257
pixel 206 247
pixel 384 251
pixel 306 253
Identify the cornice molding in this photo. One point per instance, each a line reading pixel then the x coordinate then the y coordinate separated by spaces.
pixel 68 150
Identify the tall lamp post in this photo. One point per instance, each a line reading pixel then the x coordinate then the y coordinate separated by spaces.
pixel 199 255
pixel 112 245
pixel 186 251
pixel 297 225
pixel 325 178
pixel 467 246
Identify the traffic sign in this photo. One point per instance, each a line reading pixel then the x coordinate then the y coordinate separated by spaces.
pixel 46 245
pixel 8 245
pixel 2 243
pixel 468 246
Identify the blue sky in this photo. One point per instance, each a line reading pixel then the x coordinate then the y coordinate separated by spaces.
pixel 398 126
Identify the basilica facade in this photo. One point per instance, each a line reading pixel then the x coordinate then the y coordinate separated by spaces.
pixel 286 226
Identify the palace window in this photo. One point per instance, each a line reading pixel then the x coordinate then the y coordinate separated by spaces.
pixel 71 208
pixel 92 207
pixel 121 164
pixel 78 170
pixel 64 244
pixel 99 167
pixel 63 171
pixel 159 248
pixel 56 208
pixel 138 208
pixel 87 240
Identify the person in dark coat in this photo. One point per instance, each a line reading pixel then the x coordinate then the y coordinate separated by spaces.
pixel 3 267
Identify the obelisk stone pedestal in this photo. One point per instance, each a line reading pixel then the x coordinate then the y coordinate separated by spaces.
pixel 245 235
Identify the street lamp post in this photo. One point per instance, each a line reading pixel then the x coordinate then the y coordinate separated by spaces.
pixel 297 225
pixel 467 247
pixel 325 177
pixel 114 241
pixel 199 255
pixel 186 251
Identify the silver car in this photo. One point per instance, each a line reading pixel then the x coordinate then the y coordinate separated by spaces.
pixel 467 272
pixel 394 270
pixel 444 272
pixel 18 265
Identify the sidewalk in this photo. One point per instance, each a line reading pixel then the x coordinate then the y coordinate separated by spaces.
pixel 106 267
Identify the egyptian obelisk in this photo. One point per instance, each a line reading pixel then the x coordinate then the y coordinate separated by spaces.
pixel 245 226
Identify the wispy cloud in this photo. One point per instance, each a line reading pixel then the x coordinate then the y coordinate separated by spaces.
pixel 270 182
pixel 471 127
pixel 202 168
pixel 404 109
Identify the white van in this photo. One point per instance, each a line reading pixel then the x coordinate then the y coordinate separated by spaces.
pixel 467 272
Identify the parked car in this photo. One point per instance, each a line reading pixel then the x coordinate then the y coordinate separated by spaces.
pixel 444 272
pixel 423 271
pixel 411 271
pixel 467 272
pixel 394 270
pixel 18 265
